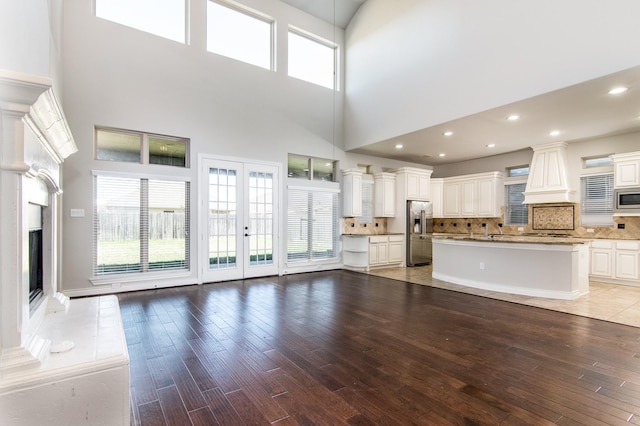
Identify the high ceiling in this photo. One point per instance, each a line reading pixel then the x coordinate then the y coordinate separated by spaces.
pixel 579 112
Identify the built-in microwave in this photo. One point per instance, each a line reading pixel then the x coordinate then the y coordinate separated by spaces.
pixel 626 200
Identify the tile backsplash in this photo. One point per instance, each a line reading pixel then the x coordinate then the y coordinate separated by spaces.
pixel 554 222
pixel 350 225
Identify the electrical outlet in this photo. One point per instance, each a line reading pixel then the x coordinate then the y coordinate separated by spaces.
pixel 482 266
pixel 520 229
pixel 590 230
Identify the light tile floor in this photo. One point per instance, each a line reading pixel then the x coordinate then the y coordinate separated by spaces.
pixel 609 302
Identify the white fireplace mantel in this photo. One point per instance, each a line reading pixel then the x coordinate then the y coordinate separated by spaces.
pixel 53 346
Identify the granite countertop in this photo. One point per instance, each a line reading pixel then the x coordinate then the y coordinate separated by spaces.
pixel 531 239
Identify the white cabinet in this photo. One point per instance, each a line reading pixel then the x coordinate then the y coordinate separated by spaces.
pixel 602 258
pixel 385 195
pixel 627 257
pixel 626 169
pixel 413 183
pixel 396 248
pixel 477 195
pixel 363 252
pixel 352 193
pixel 437 192
pixel 378 249
pixel 616 261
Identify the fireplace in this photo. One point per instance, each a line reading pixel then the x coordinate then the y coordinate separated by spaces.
pixel 69 355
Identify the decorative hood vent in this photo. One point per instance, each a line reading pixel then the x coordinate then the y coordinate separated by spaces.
pixel 548 180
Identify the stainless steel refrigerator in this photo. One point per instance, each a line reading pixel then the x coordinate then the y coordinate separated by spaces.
pixel 419 232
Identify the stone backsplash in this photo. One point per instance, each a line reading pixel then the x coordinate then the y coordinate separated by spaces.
pixel 557 224
pixel 350 225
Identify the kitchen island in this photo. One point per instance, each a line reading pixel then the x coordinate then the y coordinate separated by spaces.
pixel 539 266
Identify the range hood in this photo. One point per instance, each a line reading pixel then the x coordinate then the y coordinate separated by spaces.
pixel 548 180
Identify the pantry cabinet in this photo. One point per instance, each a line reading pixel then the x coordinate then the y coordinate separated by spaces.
pixel 616 261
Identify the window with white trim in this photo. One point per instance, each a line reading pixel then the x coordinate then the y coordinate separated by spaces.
pixel 164 18
pixel 596 200
pixel 239 33
pixel 312 224
pixel 312 58
pixel 139 147
pixel 515 213
pixel 140 224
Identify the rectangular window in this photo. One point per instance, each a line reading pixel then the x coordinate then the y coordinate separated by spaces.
pixel 239 34
pixel 515 213
pixel 596 200
pixel 518 171
pixel 164 18
pixel 140 225
pixel 603 161
pixel 311 168
pixel 312 59
pixel 138 147
pixel 312 225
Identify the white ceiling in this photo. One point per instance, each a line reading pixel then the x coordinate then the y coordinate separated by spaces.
pixel 580 112
pixel 338 11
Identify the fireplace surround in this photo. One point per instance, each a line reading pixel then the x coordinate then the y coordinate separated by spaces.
pixel 69 355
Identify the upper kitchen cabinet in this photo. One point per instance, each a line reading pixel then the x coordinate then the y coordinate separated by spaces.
pixel 477 195
pixel 413 184
pixel 384 195
pixel 352 193
pixel 626 169
pixel 436 197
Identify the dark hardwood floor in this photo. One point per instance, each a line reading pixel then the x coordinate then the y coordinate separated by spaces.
pixel 340 347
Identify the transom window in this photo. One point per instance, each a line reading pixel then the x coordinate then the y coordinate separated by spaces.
pixel 139 147
pixel 311 168
pixel 164 18
pixel 312 58
pixel 239 34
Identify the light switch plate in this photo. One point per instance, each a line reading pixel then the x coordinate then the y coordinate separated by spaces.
pixel 77 212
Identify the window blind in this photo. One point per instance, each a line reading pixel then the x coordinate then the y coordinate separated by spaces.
pixel 515 213
pixel 596 200
pixel 140 225
pixel 312 221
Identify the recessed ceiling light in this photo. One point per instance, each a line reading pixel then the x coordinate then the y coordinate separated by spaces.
pixel 513 117
pixel 554 133
pixel 441 154
pixel 448 133
pixel 399 146
pixel 618 90
pixel 491 145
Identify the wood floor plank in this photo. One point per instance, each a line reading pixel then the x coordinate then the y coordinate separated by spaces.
pixel 340 348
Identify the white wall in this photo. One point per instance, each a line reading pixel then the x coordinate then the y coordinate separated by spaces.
pixel 416 63
pixel 30 31
pixel 120 77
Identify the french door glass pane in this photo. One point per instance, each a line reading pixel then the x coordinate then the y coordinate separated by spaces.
pixel 260 218
pixel 223 210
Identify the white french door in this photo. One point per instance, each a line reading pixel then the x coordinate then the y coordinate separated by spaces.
pixel 240 220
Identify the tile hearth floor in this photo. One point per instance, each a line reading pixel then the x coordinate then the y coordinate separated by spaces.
pixel 609 302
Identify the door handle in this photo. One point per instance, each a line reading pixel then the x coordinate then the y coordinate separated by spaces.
pixel 247 235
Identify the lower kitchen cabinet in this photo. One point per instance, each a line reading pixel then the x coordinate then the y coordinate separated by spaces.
pixel 615 261
pixel 364 252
